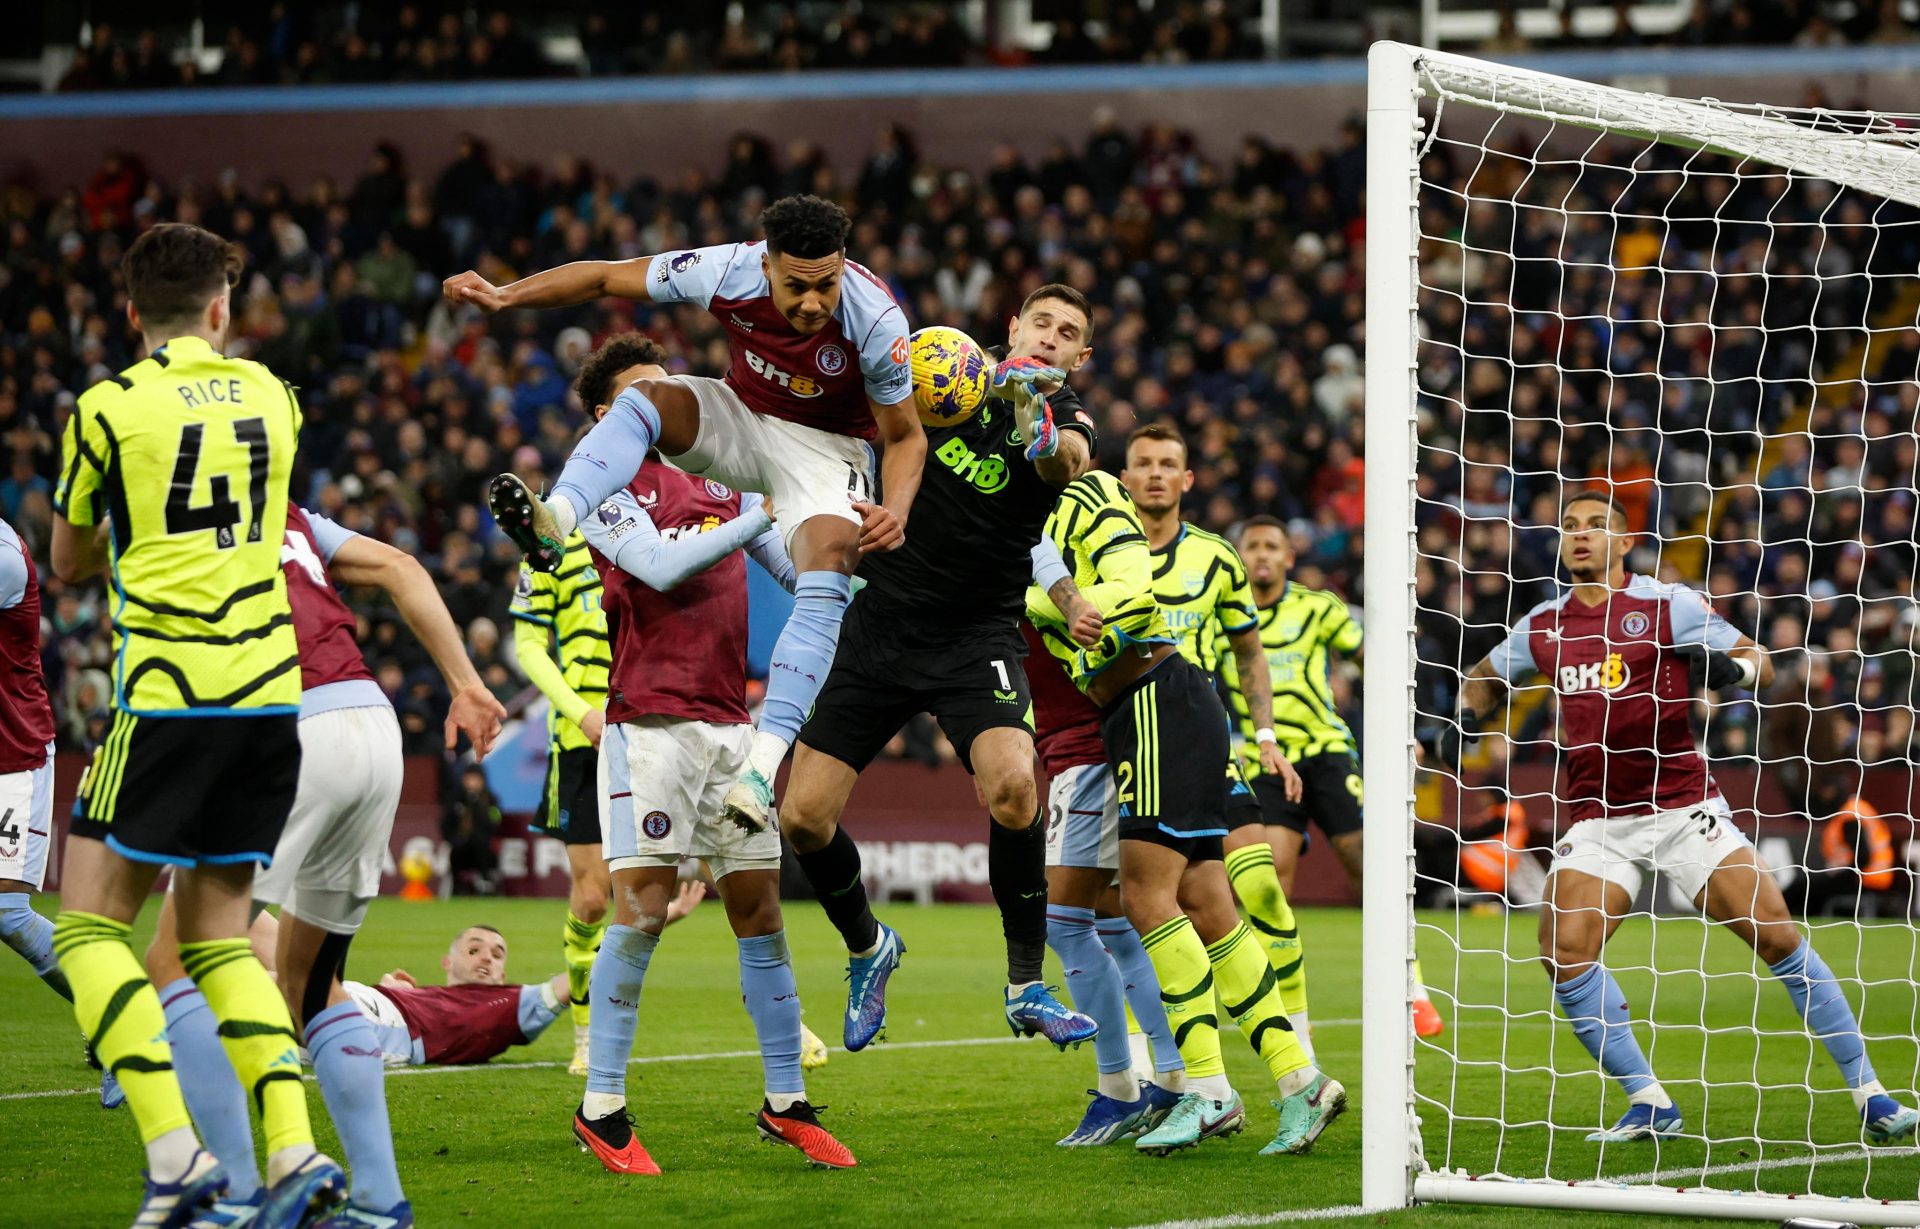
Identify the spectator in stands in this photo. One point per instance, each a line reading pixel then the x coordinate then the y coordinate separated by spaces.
pixel 469 822
pixel 1856 876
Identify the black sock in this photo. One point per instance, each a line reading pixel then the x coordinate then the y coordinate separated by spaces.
pixel 1017 871
pixel 834 872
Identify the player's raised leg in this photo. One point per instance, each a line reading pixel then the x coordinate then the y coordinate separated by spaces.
pixel 1002 759
pixel 1743 896
pixel 817 793
pixel 1583 910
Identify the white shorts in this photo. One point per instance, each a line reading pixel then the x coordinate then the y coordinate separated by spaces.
pixel 807 472
pixel 398 1046
pixel 1683 846
pixel 1083 819
pixel 26 823
pixel 662 780
pixel 326 868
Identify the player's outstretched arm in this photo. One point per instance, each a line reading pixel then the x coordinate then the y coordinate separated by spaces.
pixel 361 560
pixel 531 641
pixel 579 282
pixel 634 543
pixel 884 525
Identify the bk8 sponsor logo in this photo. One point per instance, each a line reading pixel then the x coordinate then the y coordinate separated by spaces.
pixel 799 386
pixel 1608 675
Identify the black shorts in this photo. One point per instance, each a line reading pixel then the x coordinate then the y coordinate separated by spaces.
pixel 1330 797
pixel 192 790
pixel 1166 738
pixel 885 671
pixel 570 803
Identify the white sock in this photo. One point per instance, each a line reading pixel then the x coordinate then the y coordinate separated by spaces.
pixel 1120 1085
pixel 1174 1081
pixel 1142 1055
pixel 1303 1033
pixel 1212 1087
pixel 580 1032
pixel 1298 1081
pixel 597 1105
pixel 563 514
pixel 170 1158
pixel 1872 1088
pixel 1653 1095
pixel 1014 992
pixel 286 1160
pixel 768 750
pixel 868 954
pixel 781 1102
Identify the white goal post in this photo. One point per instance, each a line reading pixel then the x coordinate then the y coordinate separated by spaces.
pixel 1735 1164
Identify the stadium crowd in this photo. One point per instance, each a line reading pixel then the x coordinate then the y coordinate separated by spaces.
pixel 1228 298
pixel 295 43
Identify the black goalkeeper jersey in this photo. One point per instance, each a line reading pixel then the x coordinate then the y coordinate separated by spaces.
pixel 981 506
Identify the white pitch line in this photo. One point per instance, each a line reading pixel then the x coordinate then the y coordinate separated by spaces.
pixel 1260 1218
pixel 642 1061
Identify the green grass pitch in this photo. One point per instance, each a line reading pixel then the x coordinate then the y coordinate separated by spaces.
pixel 954 1122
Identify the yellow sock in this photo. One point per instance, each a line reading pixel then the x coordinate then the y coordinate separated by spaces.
pixel 1251 871
pixel 257 1033
pixel 117 1007
pixel 1419 982
pixel 580 941
pixel 1249 989
pixel 1186 988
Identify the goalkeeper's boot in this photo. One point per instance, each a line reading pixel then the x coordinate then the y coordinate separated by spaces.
pixel 580 1051
pixel 174 1205
pixel 749 803
pixel 813 1051
pixel 353 1216
pixel 1888 1121
pixel 527 522
pixel 1157 1103
pixel 798 1126
pixel 1305 1114
pixel 1641 1122
pixel 612 1140
pixel 867 990
pixel 1106 1120
pixel 1035 1010
pixel 1193 1119
pixel 305 1196
pixel 1426 1019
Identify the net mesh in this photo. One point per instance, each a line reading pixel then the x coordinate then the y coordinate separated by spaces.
pixel 1710 313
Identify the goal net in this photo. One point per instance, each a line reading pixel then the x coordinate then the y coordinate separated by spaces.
pixel 1707 311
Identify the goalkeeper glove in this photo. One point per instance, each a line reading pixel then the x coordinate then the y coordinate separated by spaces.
pixel 1715 668
pixel 1034 419
pixel 1445 742
pixel 1013 373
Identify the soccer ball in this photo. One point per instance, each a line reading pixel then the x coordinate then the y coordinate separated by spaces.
pixel 949 376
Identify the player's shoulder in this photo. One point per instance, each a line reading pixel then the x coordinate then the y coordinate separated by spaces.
pixel 1646 588
pixel 1096 489
pixel 866 303
pixel 10 540
pixel 1547 607
pixel 735 271
pixel 1207 542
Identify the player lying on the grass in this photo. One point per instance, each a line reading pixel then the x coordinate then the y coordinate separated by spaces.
pixel 1166 736
pixel 559 612
pixel 1201 584
pixel 669 551
pixel 1625 656
pixel 174 479
pixel 26 779
pixel 476 1016
pixel 937 630
pixel 1300 629
pixel 819 368
pixel 1105 967
pixel 326 865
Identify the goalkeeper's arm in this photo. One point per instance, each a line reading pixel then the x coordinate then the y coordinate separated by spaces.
pixel 1746 665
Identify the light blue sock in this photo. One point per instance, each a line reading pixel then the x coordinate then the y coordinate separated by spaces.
pixel 608 457
pixel 1095 981
pixel 346 1060
pixel 214 1097
pixel 773 1001
pixel 1826 1010
pixel 614 988
pixel 804 652
pixel 1142 986
pixel 31 935
pixel 1597 1009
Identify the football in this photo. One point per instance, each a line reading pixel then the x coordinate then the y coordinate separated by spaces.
pixel 949 375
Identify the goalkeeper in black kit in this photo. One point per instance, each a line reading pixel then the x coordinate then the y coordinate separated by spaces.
pixel 937 629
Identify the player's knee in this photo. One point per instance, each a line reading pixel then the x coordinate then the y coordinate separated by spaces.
pixel 1775 941
pixel 1014 804
pixel 754 915
pixel 1569 948
pixel 589 901
pixel 807 828
pixel 163 963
